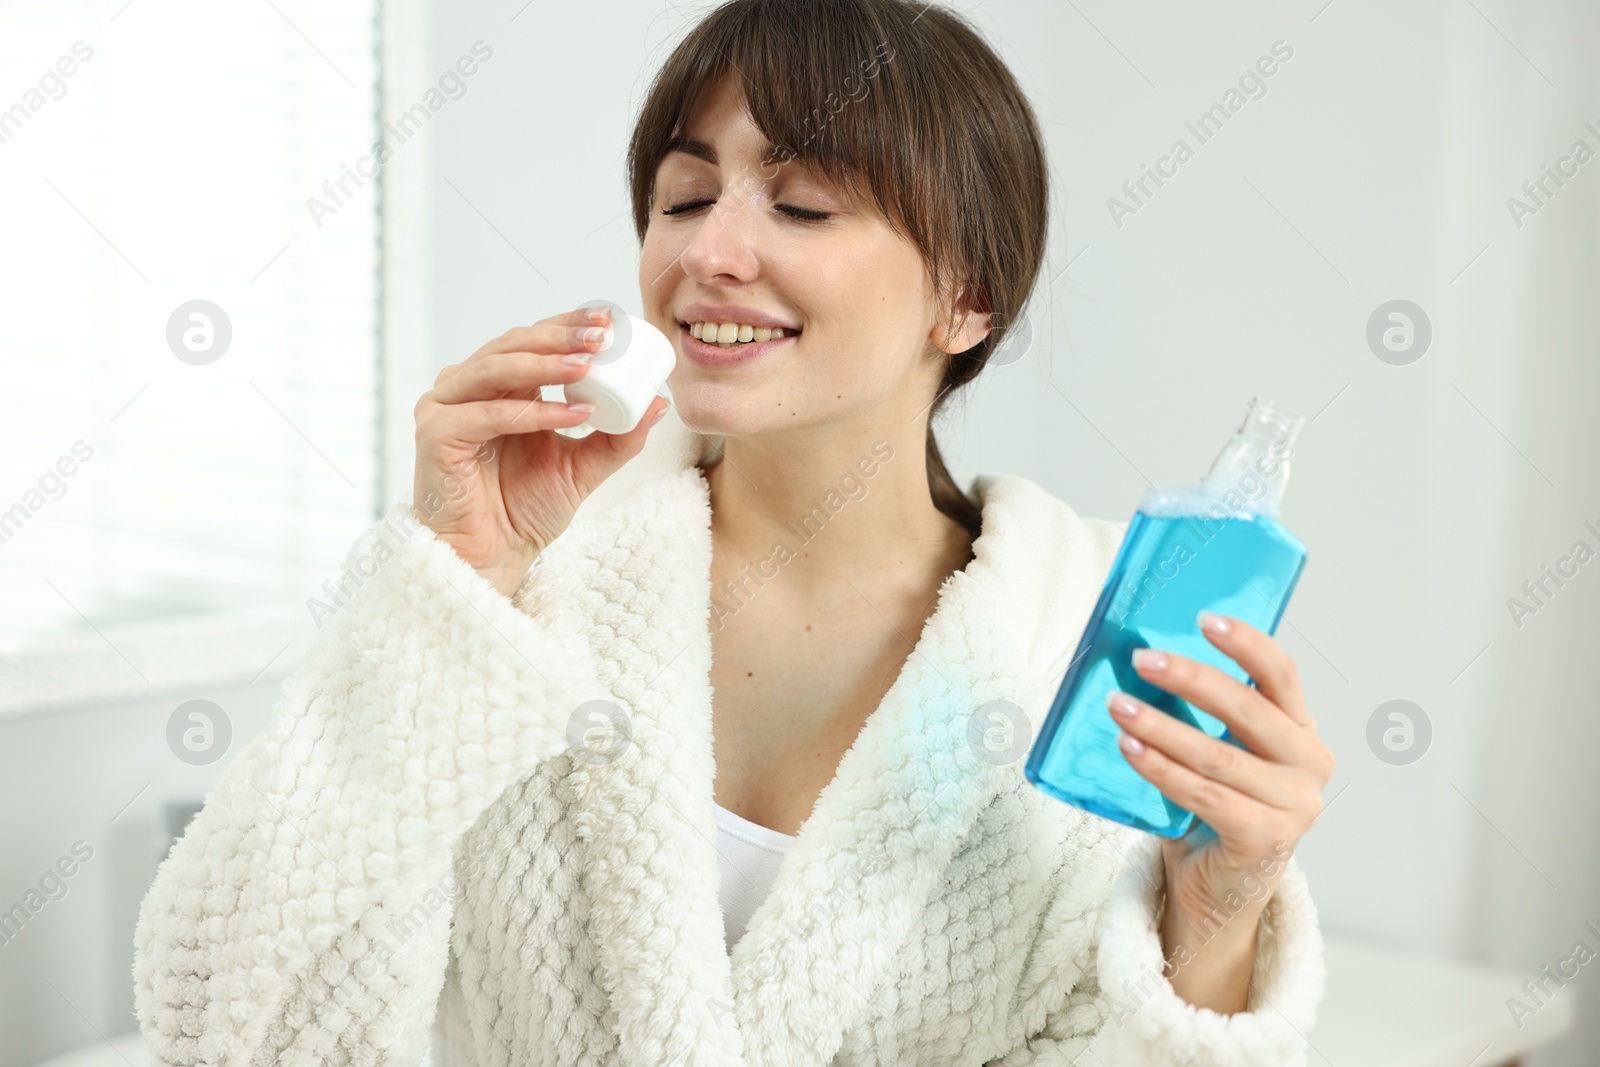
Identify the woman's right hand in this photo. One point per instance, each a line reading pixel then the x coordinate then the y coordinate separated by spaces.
pixel 493 480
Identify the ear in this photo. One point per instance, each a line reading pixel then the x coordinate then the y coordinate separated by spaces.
pixel 968 317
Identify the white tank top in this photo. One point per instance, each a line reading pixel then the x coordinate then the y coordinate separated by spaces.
pixel 749 854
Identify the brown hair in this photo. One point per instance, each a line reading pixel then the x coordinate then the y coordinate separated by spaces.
pixel 905 101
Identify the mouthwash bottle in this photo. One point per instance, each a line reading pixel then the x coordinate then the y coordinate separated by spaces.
pixel 1216 545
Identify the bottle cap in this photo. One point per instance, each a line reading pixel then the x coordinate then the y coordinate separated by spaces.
pixel 625 376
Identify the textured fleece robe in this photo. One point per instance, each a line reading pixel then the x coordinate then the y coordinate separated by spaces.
pixel 485 824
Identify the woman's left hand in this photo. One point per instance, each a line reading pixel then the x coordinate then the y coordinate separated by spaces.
pixel 1255 804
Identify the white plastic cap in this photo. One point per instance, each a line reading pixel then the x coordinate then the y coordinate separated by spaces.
pixel 622 382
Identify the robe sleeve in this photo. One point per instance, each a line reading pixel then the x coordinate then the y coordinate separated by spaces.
pixel 304 916
pixel 1123 1012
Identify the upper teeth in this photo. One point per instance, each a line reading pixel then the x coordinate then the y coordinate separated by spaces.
pixel 730 332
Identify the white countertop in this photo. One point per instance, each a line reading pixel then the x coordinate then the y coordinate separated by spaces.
pixel 1392 1008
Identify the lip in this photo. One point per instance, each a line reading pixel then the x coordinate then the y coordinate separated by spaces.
pixel 711 355
pixel 731 313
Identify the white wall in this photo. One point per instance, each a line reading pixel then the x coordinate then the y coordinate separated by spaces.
pixel 1376 167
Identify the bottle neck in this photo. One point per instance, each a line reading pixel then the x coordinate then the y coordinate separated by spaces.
pixel 1252 470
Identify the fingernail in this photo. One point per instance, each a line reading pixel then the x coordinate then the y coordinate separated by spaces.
pixel 572 359
pixel 592 333
pixel 580 407
pixel 658 416
pixel 1214 623
pixel 1131 745
pixel 1149 659
pixel 599 314
pixel 1123 705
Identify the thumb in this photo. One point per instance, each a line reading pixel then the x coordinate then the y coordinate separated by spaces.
pixel 600 454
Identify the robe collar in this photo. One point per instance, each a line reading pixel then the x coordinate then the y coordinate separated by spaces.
pixel 883 830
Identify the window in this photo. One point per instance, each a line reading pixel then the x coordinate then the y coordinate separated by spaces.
pixel 189 411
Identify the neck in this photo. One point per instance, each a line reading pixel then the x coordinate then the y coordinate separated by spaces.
pixel 831 517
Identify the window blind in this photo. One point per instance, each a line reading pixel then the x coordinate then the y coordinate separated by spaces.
pixel 159 163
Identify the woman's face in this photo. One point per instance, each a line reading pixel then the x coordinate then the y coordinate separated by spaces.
pixel 870 338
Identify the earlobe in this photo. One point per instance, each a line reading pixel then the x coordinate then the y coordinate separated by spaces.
pixel 969 328
pixel 977 316
pixel 967 320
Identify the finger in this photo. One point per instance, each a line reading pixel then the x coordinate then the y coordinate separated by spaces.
pixel 548 337
pixel 1229 812
pixel 596 456
pixel 1207 756
pixel 553 336
pixel 484 420
pixel 1254 720
pixel 500 373
pixel 1266 661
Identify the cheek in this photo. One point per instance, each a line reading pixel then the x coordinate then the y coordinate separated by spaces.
pixel 658 259
pixel 863 359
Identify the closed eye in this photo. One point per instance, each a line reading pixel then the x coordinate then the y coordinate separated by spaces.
pixel 799 214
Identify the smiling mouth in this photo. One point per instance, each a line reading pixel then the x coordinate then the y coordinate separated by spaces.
pixel 742 334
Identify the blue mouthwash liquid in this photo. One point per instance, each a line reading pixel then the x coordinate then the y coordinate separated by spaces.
pixel 1217 546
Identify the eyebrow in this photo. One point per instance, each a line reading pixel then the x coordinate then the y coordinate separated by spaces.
pixel 770 153
pixel 691 146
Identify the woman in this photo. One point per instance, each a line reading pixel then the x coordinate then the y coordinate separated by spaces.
pixel 427 846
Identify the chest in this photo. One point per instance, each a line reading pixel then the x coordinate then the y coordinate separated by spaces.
pixel 790 694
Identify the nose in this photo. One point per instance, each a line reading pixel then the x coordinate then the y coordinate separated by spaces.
pixel 723 245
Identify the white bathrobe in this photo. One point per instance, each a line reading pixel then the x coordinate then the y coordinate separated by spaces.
pixel 435 842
